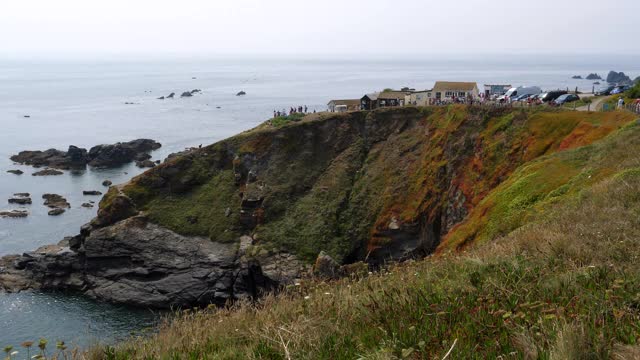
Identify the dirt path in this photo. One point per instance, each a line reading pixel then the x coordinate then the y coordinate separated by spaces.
pixel 595 105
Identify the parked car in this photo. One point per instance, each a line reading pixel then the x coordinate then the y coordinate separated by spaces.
pixel 552 95
pixel 605 91
pixel 566 98
pixel 519 91
pixel 619 89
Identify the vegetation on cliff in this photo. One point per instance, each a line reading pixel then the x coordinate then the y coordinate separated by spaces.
pixel 376 185
pixel 541 264
pixel 563 286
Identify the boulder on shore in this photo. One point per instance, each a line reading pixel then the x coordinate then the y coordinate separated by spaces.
pixel 47 172
pixel 15 172
pixel 107 183
pixel 145 164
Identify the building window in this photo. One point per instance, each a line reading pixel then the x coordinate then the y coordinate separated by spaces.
pixel 462 94
pixel 448 94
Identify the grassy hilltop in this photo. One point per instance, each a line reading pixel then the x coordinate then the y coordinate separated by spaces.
pixel 533 217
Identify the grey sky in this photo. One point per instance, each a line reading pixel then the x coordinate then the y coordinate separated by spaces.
pixel 71 27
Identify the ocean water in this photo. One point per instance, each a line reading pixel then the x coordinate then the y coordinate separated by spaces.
pixel 82 103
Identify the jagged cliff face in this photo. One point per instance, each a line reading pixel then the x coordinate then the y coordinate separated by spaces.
pixel 252 212
pixel 374 185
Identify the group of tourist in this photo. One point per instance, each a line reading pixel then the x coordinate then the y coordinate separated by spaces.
pixel 293 110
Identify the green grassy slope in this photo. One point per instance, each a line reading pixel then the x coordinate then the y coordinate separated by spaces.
pixel 557 276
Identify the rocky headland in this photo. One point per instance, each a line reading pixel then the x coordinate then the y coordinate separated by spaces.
pixel 101 156
pixel 271 205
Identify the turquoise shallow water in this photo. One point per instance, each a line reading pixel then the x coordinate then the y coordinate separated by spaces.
pixel 83 103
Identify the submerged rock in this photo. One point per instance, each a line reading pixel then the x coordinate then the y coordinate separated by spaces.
pixel 87 205
pixel 91 192
pixel 13 213
pixel 47 172
pixel 15 172
pixel 56 212
pixel 20 200
pixel 241 93
pixel 55 201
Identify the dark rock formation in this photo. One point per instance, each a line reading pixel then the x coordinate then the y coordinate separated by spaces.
pixel 170 96
pixel 20 200
pixel 161 98
pixel 55 201
pixel 186 94
pixel 618 78
pixel 107 183
pixel 241 93
pixel 22 194
pixel 91 192
pixel 76 158
pixel 13 214
pixel 47 172
pixel 106 156
pixel 593 76
pixel 577 77
pixel 56 212
pixel 15 172
pixel 87 205
pixel 195 91
pixel 139 263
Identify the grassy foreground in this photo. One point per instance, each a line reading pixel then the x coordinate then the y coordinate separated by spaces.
pixel 560 279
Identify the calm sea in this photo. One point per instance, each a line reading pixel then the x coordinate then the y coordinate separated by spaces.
pixel 83 104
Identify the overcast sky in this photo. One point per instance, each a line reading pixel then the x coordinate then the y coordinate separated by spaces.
pixel 348 27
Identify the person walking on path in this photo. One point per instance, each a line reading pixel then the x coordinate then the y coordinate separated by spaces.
pixel 638 106
pixel 620 103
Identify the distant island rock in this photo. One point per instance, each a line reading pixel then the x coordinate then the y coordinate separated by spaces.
pixel 618 78
pixel 241 93
pixel 102 156
pixel 577 77
pixel 593 76
pixel 170 96
pixel 186 94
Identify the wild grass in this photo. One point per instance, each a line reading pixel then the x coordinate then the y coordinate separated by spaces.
pixel 565 286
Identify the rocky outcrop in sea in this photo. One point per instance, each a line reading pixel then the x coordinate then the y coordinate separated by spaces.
pixel 102 156
pixel 618 78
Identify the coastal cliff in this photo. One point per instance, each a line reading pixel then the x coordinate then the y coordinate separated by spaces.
pixel 251 213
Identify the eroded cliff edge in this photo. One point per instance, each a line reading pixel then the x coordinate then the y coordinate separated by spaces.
pixel 253 212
